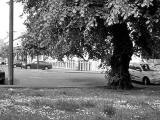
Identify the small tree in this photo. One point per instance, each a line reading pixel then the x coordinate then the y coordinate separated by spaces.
pixel 4 51
pixel 31 46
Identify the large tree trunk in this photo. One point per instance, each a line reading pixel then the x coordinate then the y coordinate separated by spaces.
pixel 119 76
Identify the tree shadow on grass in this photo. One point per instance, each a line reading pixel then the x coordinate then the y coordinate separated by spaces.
pixel 90 82
pixel 150 90
pixel 140 83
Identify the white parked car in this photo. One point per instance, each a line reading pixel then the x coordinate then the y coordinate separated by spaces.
pixel 142 72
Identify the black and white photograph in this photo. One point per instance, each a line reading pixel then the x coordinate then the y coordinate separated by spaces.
pixel 80 60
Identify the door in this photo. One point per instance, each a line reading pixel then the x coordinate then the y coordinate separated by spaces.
pixel 34 65
pixel 136 73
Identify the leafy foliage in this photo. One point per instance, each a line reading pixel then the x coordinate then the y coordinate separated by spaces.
pixel 79 27
pixel 4 51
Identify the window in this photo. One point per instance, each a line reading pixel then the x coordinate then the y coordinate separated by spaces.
pixel 145 67
pixel 35 62
pixel 131 67
pixel 138 68
pixel 135 68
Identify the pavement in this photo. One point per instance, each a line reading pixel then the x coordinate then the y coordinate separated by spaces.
pixel 54 78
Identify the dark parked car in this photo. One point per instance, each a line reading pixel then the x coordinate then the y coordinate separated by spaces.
pixel 42 65
pixel 3 63
pixel 17 64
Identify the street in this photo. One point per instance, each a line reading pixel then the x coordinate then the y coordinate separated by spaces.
pixel 55 78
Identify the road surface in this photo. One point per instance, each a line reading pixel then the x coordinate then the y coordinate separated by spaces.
pixel 55 78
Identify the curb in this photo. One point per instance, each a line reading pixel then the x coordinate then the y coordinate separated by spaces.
pixel 75 71
pixel 40 87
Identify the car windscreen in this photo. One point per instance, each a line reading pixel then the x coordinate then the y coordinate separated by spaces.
pixel 145 67
pixel 135 68
pixel 42 62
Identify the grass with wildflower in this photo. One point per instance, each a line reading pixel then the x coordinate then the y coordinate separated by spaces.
pixel 79 104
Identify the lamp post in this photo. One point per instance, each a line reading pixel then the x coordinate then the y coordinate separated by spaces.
pixel 10 60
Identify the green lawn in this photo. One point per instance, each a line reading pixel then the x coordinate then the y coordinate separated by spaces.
pixel 79 104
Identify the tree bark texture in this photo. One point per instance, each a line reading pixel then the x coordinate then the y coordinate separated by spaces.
pixel 119 76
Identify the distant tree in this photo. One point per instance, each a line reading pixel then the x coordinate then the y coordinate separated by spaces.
pixel 4 51
pixel 31 45
pixel 103 29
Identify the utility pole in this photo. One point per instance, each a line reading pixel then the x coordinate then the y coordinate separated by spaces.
pixel 10 60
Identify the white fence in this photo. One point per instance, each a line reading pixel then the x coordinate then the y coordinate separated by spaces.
pixel 80 65
pixel 84 66
pixel 65 65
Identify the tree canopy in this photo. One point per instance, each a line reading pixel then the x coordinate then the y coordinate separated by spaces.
pixel 102 29
pixel 74 27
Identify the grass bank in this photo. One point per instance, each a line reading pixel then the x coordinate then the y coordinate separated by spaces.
pixel 79 104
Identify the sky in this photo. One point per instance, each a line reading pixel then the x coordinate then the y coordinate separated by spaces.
pixel 19 28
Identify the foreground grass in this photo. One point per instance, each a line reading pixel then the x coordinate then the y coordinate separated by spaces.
pixel 79 104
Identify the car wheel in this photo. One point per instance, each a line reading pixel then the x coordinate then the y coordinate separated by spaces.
pixel 46 68
pixel 146 81
pixel 28 67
